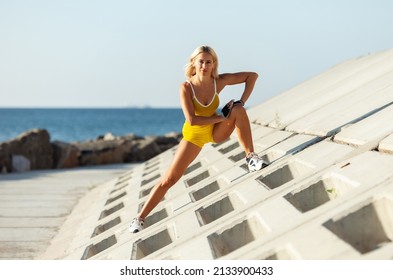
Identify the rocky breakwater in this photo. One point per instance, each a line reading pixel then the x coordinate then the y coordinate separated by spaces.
pixel 33 150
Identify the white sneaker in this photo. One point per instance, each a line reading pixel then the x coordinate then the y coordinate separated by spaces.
pixel 136 225
pixel 255 162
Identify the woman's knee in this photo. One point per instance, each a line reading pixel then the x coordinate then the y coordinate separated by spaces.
pixel 169 181
pixel 238 112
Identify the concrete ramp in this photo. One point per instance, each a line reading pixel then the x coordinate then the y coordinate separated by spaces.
pixel 327 193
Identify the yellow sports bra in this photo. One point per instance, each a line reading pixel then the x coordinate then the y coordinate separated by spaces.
pixel 205 110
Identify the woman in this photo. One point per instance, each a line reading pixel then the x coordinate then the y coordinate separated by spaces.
pixel 199 97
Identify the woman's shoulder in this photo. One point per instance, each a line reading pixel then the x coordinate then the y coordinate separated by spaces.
pixel 185 87
pixel 222 80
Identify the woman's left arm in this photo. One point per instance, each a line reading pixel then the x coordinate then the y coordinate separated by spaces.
pixel 249 78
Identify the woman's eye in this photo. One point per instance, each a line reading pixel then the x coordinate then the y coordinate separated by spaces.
pixel 205 62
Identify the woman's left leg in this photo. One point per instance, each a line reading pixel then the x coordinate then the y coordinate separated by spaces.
pixel 238 120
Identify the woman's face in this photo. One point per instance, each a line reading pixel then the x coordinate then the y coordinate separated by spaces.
pixel 204 64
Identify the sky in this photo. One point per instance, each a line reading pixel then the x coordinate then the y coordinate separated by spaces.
pixel 126 53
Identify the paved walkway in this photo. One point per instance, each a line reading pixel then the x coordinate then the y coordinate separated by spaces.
pixel 34 205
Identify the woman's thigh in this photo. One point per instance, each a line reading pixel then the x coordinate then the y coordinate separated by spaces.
pixel 185 154
pixel 224 129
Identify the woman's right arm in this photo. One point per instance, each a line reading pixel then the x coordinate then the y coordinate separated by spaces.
pixel 189 111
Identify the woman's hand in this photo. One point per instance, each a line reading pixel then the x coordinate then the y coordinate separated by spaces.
pixel 226 110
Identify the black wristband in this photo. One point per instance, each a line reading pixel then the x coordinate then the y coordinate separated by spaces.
pixel 239 102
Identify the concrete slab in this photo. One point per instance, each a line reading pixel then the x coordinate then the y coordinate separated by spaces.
pixel 334 116
pixel 38 222
pixel 374 127
pixel 386 145
pixel 27 234
pixel 21 250
pixel 321 90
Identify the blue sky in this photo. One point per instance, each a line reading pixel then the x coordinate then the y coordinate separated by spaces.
pixel 119 53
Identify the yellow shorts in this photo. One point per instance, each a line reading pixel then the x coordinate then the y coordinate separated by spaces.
pixel 198 134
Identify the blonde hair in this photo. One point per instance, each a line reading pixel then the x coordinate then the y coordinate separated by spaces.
pixel 190 68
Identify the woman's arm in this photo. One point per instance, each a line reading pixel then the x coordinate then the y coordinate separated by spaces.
pixel 249 78
pixel 189 111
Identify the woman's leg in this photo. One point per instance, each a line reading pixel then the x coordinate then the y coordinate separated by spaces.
pixel 237 119
pixel 185 154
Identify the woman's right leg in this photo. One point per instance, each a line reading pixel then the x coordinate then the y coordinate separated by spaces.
pixel 185 154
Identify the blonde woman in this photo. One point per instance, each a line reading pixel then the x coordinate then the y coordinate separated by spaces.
pixel 199 97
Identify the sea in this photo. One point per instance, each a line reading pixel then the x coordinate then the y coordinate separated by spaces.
pixel 79 125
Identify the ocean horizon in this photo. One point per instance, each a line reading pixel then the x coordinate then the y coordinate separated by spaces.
pixel 83 124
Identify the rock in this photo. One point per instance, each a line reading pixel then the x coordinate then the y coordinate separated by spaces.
pixel 20 163
pixel 124 149
pixel 168 140
pixel 5 159
pixel 33 150
pixel 132 137
pixel 109 137
pixel 144 150
pixel 34 145
pixel 103 152
pixel 173 134
pixel 65 155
